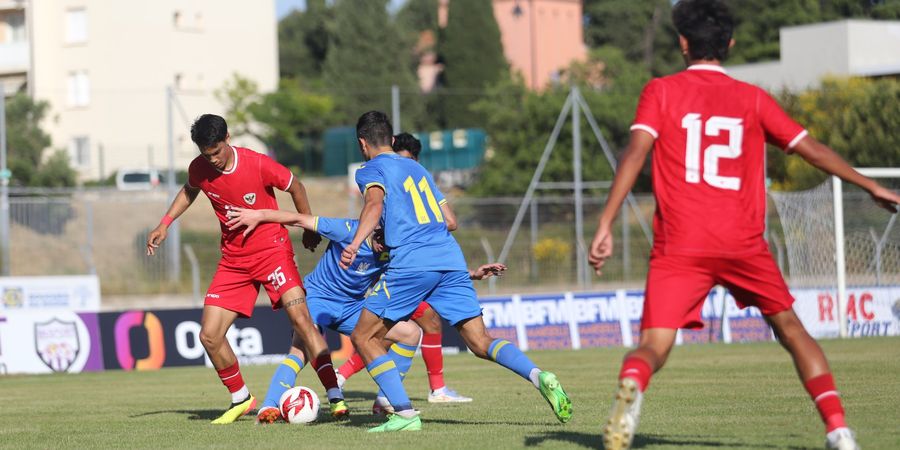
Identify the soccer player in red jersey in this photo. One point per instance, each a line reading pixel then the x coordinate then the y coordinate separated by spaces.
pixel 708 134
pixel 233 176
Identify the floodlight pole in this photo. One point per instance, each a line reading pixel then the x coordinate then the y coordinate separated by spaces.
pixel 4 188
pixel 173 243
pixel 581 258
pixel 395 108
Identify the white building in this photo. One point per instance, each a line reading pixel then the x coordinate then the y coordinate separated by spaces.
pixel 844 48
pixel 104 65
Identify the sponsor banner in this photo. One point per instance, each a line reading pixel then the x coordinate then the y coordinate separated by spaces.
pixel 77 293
pixel 49 341
pixel 871 311
pixel 501 317
pixel 148 340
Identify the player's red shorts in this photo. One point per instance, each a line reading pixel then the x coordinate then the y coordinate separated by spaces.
pixel 420 311
pixel 678 285
pixel 235 285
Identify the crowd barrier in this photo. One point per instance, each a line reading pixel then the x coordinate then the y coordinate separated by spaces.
pixel 39 336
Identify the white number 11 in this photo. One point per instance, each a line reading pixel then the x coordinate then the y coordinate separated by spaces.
pixel 716 124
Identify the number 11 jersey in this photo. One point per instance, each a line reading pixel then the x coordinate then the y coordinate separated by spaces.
pixel 414 227
pixel 709 160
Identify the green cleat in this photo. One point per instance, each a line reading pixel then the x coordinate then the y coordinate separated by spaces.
pixel 236 410
pixel 555 396
pixel 397 422
pixel 339 410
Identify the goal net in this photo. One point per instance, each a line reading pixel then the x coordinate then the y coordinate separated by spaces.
pixel 848 286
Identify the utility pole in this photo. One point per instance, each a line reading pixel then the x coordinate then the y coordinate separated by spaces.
pixel 581 257
pixel 173 243
pixel 4 187
pixel 395 108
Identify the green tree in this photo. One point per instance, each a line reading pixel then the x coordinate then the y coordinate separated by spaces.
pixel 26 143
pixel 641 28
pixel 856 117
pixel 519 122
pixel 473 59
pixel 365 58
pixel 303 38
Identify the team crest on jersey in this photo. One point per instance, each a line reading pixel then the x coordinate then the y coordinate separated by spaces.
pixel 250 198
pixel 362 267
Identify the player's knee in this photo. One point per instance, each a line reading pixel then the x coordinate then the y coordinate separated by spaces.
pixel 409 333
pixel 210 340
pixel 360 340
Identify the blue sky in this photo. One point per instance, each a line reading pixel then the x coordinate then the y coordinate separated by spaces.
pixel 283 7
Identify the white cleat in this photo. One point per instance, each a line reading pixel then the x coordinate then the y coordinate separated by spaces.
pixel 624 417
pixel 446 395
pixel 382 407
pixel 340 379
pixel 841 439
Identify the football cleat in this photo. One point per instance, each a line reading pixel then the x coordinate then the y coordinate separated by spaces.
pixel 624 417
pixel 236 410
pixel 555 395
pixel 382 407
pixel 397 422
pixel 339 410
pixel 447 395
pixel 268 414
pixel 841 439
pixel 340 379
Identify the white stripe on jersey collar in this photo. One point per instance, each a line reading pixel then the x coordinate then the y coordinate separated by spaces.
pixel 712 67
pixel 233 166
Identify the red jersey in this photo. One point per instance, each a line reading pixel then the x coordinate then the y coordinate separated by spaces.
pixel 709 160
pixel 248 184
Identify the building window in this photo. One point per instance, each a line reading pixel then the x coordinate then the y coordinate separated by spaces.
pixel 460 139
pixel 15 27
pixel 80 151
pixel 76 26
pixel 436 140
pixel 79 89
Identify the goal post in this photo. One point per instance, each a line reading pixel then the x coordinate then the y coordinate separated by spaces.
pixel 840 251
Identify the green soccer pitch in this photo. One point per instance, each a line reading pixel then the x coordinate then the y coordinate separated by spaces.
pixel 709 396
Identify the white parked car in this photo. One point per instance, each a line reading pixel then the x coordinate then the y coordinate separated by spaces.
pixel 139 179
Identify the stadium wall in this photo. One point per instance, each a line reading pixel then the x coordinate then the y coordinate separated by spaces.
pixel 42 337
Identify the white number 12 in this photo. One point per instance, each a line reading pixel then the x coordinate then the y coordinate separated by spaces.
pixel 716 124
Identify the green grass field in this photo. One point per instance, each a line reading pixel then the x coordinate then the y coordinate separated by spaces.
pixel 710 396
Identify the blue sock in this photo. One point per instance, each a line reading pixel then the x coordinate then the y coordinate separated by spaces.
pixel 402 355
pixel 384 371
pixel 508 355
pixel 283 379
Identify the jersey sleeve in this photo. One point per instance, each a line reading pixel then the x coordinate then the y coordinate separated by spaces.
pixel 274 174
pixel 648 116
pixel 438 195
pixel 369 175
pixel 193 175
pixel 337 230
pixel 780 129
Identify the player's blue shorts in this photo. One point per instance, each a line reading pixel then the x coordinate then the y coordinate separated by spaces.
pixel 339 314
pixel 397 295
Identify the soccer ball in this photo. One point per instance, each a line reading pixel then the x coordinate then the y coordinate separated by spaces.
pixel 299 405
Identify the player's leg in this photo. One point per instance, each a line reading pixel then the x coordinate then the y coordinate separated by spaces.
pixel 213 325
pixel 757 281
pixel 401 342
pixel 676 289
pixel 284 378
pixel 433 355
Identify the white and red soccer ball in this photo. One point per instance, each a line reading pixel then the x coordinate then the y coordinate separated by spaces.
pixel 299 405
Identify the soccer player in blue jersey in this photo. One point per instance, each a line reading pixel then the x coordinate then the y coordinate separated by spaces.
pixel 427 264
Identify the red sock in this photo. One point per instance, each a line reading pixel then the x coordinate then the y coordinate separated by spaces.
pixel 433 355
pixel 637 369
pixel 231 377
pixel 325 371
pixel 827 400
pixel 351 366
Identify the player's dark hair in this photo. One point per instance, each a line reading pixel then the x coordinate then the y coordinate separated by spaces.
pixel 375 128
pixel 707 25
pixel 408 142
pixel 208 130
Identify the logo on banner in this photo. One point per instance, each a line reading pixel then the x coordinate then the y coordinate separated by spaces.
pixel 250 198
pixel 56 342
pixel 13 297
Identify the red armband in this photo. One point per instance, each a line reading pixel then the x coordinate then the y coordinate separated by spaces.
pixel 166 220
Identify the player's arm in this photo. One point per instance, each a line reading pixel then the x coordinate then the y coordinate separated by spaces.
pixel 251 218
pixel 630 165
pixel 368 220
pixel 311 239
pixel 827 160
pixel 180 204
pixel 487 271
pixel 449 216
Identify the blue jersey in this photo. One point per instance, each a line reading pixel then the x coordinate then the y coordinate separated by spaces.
pixel 328 279
pixel 414 227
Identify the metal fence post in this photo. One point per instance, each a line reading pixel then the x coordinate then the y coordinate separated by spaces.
pixel 4 188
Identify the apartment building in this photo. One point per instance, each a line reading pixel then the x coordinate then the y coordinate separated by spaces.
pixel 105 66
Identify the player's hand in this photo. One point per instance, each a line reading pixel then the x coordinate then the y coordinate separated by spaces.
pixel 242 217
pixel 885 198
pixel 155 238
pixel 311 240
pixel 378 240
pixel 487 271
pixel 348 256
pixel 601 248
